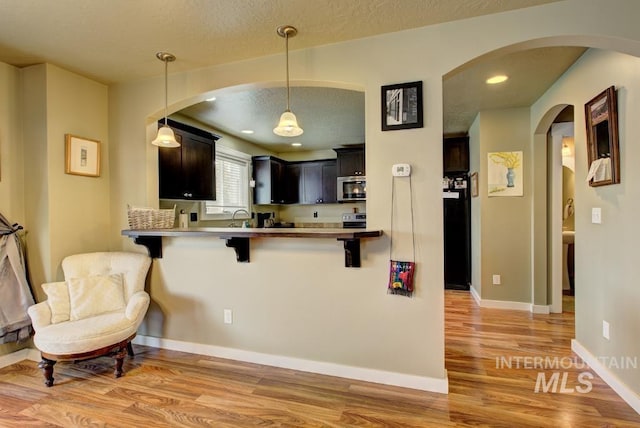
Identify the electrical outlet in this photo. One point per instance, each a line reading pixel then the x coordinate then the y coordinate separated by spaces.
pixel 605 329
pixel 496 279
pixel 228 316
pixel 596 215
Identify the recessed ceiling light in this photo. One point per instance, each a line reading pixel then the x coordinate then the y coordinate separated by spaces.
pixel 296 144
pixel 497 79
pixel 211 99
pixel 247 131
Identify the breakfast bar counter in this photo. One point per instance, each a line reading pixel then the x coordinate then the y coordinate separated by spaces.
pixel 239 238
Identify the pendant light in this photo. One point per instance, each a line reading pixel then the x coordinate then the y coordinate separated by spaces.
pixel 288 125
pixel 165 137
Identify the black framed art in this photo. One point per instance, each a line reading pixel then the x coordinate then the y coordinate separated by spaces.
pixel 402 106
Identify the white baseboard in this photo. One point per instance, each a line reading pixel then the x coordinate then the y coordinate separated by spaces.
pixel 504 304
pixel 20 355
pixel 630 397
pixel 369 375
pixel 541 309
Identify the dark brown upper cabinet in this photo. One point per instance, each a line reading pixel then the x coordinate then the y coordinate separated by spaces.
pixel 271 176
pixel 317 183
pixel 455 155
pixel 350 161
pixel 188 171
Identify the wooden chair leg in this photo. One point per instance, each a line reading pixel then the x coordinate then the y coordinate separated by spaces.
pixel 47 368
pixel 130 349
pixel 119 357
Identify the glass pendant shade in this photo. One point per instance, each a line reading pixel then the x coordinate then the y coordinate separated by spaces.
pixel 288 125
pixel 165 138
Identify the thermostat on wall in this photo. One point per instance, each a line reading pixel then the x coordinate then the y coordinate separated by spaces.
pixel 401 170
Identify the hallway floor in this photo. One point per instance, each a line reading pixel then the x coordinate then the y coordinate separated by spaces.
pixel 480 344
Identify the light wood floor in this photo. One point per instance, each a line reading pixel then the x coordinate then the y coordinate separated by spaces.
pixel 166 388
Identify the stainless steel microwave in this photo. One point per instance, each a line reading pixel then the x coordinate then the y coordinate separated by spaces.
pixel 352 189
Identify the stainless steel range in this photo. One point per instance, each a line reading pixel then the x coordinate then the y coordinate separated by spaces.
pixel 354 220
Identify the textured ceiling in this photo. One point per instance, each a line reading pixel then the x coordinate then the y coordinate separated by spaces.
pixel 116 40
pixel 530 72
pixel 333 117
pixel 330 117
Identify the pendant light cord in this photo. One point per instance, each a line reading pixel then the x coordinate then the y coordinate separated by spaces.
pixel 286 44
pixel 166 89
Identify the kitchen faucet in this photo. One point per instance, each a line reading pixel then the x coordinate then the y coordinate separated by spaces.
pixel 233 217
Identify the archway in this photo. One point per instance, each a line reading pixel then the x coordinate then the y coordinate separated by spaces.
pixel 547 215
pixel 258 105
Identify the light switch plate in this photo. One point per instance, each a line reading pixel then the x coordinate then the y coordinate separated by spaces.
pixel 596 215
pixel 605 329
pixel 496 279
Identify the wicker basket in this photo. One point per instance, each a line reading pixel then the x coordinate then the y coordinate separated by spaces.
pixel 150 218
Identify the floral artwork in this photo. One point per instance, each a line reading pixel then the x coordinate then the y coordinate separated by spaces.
pixel 505 174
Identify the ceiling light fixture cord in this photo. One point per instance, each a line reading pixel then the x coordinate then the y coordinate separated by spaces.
pixel 288 124
pixel 166 89
pixel 286 46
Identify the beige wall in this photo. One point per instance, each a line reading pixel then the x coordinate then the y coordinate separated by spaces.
pixel 505 222
pixel 37 221
pixel 11 154
pixel 606 267
pixel 66 214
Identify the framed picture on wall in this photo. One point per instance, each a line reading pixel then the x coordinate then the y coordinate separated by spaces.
pixel 402 106
pixel 504 174
pixel 82 156
pixel 601 115
pixel 473 178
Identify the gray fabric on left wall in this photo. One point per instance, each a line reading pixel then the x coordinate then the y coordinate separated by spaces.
pixel 15 294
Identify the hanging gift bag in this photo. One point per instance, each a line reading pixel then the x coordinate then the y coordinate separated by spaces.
pixel 401 273
pixel 401 277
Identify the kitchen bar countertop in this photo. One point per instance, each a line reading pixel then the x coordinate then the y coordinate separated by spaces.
pixel 239 237
pixel 255 232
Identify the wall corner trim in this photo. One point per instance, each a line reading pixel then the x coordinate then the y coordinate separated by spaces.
pixel 620 388
pixel 20 355
pixel 423 383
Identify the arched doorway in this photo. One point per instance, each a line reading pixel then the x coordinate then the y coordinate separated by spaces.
pixel 547 213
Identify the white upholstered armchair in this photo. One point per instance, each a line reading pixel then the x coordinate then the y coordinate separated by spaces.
pixel 96 311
